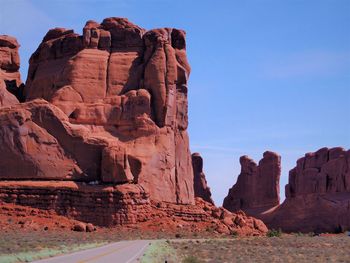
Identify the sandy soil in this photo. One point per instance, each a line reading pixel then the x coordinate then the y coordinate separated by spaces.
pixel 287 248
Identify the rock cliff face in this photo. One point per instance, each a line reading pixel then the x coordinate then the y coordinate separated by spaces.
pixel 257 186
pixel 323 171
pixel 109 60
pixel 117 110
pixel 201 188
pixel 10 78
pixel 127 204
pixel 317 194
pixel 101 133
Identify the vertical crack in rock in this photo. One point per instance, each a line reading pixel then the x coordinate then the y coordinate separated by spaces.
pixel 107 73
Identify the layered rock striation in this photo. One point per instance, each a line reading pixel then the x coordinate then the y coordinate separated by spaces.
pixel 257 186
pixel 126 204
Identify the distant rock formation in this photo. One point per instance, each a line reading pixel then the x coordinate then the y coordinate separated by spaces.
pixel 201 188
pixel 323 171
pixel 257 186
pixel 10 79
pixel 317 194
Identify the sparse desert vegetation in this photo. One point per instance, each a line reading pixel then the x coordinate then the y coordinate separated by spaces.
pixel 24 245
pixel 285 248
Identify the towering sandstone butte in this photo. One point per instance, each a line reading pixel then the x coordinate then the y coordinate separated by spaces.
pixel 317 194
pixel 117 111
pixel 102 134
pixel 201 188
pixel 10 77
pixel 257 186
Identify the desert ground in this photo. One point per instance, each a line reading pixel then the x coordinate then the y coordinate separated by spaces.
pixel 29 234
pixel 23 244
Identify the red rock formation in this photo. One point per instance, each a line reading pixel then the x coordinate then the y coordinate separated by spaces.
pixel 317 194
pixel 110 59
pixel 257 186
pixel 117 111
pixel 102 134
pixel 126 204
pixel 201 188
pixel 10 78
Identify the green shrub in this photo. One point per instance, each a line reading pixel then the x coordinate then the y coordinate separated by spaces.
pixel 299 234
pixel 274 233
pixel 191 259
pixel 234 233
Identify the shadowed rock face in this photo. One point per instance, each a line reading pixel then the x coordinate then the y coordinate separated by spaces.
pixel 114 110
pixel 10 78
pixel 317 194
pixel 257 186
pixel 323 171
pixel 201 188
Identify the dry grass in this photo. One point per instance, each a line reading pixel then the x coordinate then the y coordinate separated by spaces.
pixel 18 244
pixel 286 248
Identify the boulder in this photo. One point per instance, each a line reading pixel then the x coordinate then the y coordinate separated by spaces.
pixel 90 227
pixel 79 227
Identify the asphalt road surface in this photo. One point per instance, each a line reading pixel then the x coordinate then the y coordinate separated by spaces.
pixel 119 252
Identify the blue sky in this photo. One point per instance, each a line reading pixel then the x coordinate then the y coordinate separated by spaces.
pixel 266 74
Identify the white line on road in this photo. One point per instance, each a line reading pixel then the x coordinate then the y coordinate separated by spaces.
pixel 137 254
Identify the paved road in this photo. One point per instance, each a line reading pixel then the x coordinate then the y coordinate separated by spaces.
pixel 119 252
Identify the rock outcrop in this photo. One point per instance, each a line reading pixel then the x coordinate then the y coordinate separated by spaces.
pixel 109 60
pixel 323 171
pixel 116 110
pixel 257 187
pixel 126 204
pixel 101 133
pixel 317 194
pixel 10 79
pixel 201 188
